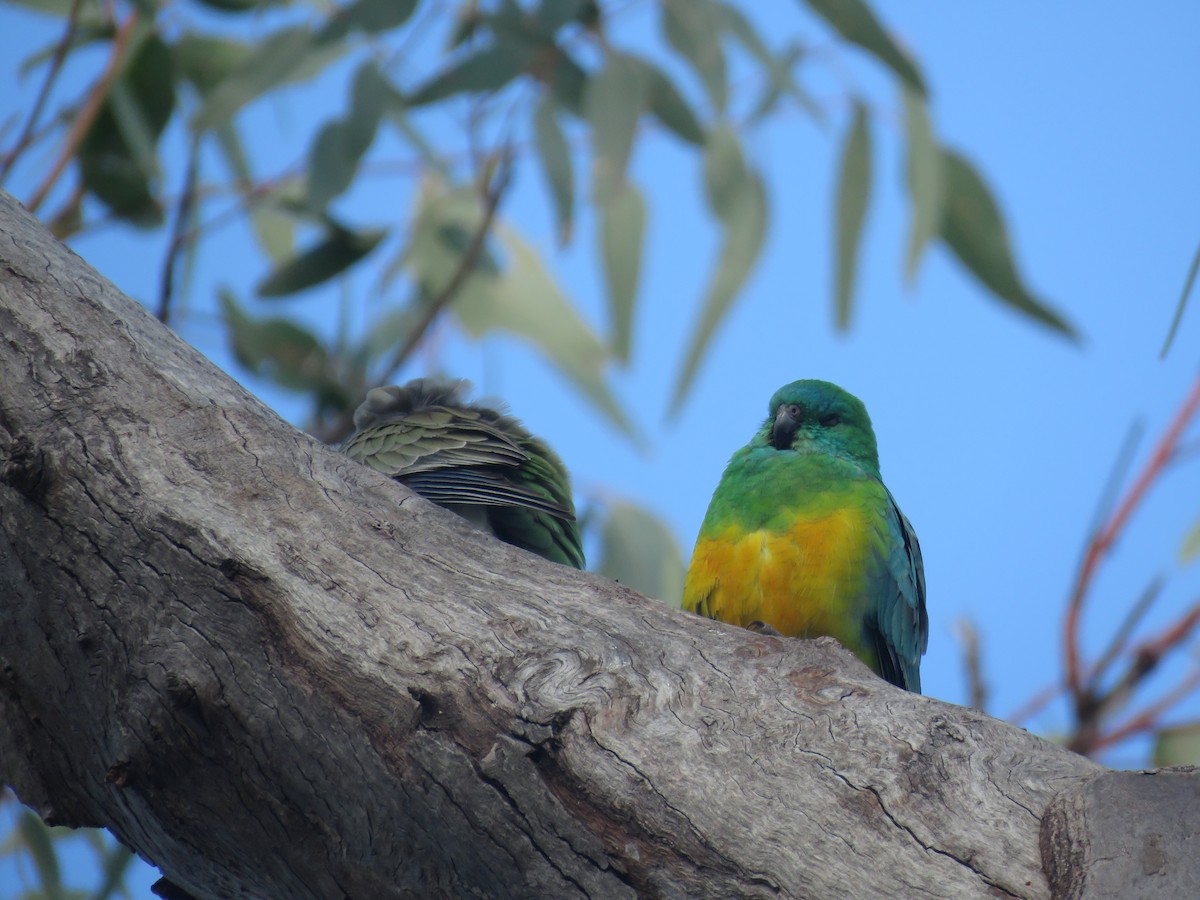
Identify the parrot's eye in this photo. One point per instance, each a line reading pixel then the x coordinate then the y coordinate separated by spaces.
pixel 830 420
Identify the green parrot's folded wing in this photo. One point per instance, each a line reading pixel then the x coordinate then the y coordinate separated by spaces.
pixel 472 459
pixel 901 630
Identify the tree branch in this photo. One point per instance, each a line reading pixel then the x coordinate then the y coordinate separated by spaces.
pixel 276 673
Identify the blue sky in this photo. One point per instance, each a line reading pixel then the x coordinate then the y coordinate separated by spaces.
pixel 996 437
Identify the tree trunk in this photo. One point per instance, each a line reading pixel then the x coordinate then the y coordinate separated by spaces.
pixel 275 673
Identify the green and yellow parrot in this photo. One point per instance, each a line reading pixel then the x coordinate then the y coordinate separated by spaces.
pixel 802 536
pixel 472 460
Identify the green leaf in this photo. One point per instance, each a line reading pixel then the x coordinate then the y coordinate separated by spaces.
pixel 693 29
pixel 115 864
pixel 520 298
pixel 206 60
pixel 615 100
pixel 1177 746
pixel 854 21
pixel 340 145
pixel 568 82
pixel 854 190
pixel 924 172
pixel 526 302
pixel 552 15
pixel 622 229
pixel 289 55
pixel 974 231
pixel 118 159
pixel 1191 545
pixel 724 171
pixel 235 6
pixel 37 839
pixel 668 106
pixel 275 347
pixel 555 157
pixel 374 16
pixel 1188 283
pixel 745 220
pixel 638 550
pixel 487 70
pixel 339 250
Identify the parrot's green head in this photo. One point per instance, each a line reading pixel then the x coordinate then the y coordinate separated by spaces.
pixel 818 417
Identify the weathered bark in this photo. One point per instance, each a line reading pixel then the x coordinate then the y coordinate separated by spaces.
pixel 1132 835
pixel 275 673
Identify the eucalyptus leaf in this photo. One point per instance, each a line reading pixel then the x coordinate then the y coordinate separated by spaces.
pixel 974 231
pixel 693 29
pixel 745 221
pixel 334 254
pixel 555 158
pixel 1177 746
pixel 853 193
pixel 638 550
pixel 622 230
pixel 36 835
pixel 854 21
pixel 1191 545
pixel 670 108
pixel 923 168
pixel 616 98
pixel 486 70
pixel 340 145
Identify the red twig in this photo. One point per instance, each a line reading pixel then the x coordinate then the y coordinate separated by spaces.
pixel 83 122
pixel 1105 536
pixel 1148 718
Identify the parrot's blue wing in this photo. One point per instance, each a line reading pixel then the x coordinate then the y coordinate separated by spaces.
pixel 900 631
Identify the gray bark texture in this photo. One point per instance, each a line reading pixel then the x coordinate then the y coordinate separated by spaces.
pixel 275 673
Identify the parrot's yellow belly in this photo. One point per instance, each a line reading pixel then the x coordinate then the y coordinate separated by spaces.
pixel 806 581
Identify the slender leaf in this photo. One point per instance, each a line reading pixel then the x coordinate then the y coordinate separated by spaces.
pixel 41 848
pixel 1177 746
pixel 207 60
pixel 340 145
pixel 693 29
pixel 526 302
pixel 568 82
pixel 854 21
pixel 924 174
pixel 622 229
pixel 330 257
pixel 374 16
pixel 487 70
pixel 289 55
pixel 555 157
pixel 278 348
pixel 116 861
pixel 974 231
pixel 118 158
pixel 724 171
pixel 520 298
pixel 552 15
pixel 745 222
pixel 616 98
pixel 670 108
pixel 638 550
pixel 1188 284
pixel 1191 545
pixel 854 190
pixel 236 6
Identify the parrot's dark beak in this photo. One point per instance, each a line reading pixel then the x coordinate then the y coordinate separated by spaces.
pixel 787 420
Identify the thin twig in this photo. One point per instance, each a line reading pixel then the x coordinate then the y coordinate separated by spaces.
pixel 1105 537
pixel 87 115
pixel 180 236
pixel 968 639
pixel 1122 634
pixel 1148 718
pixel 56 61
